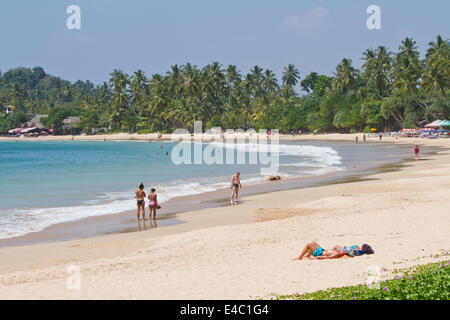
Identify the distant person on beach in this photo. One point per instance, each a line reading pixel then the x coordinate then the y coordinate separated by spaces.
pixel 317 252
pixel 235 185
pixel 140 196
pixel 152 203
pixel 416 151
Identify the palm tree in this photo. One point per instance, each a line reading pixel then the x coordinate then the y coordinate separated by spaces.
pixel 369 65
pixel 17 93
pixel 174 81
pixel 213 86
pixel 377 67
pixel 232 75
pixel 191 81
pixel 345 77
pixel 270 82
pixel 157 94
pixel 119 82
pixel 408 69
pixel 139 91
pixel 257 77
pixel 291 76
pixel 436 77
pixel 88 104
pixel 215 74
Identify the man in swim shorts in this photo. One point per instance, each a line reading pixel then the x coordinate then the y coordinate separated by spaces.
pixel 235 185
pixel 317 252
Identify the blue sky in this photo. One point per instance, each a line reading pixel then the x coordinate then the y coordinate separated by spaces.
pixel 153 34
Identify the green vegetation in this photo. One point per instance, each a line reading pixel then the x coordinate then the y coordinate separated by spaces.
pixel 390 91
pixel 426 282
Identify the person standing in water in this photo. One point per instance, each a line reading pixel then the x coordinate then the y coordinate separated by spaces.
pixel 416 151
pixel 140 196
pixel 235 185
pixel 153 203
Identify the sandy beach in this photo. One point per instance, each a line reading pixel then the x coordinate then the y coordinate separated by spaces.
pixel 246 251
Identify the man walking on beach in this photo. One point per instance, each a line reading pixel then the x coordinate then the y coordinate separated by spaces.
pixel 235 185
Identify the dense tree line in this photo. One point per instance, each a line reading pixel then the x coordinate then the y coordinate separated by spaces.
pixel 391 90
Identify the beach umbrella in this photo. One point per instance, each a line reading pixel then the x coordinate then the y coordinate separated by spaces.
pixel 434 124
pixel 409 130
pixel 26 130
pixel 16 130
pixel 445 123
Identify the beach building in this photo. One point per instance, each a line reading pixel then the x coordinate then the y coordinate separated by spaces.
pixel 71 125
pixel 10 110
pixel 35 121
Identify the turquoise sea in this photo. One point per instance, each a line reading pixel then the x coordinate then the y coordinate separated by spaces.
pixel 48 182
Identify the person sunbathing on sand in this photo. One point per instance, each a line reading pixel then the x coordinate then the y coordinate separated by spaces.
pixel 317 252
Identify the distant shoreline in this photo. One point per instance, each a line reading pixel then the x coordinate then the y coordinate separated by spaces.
pixel 208 137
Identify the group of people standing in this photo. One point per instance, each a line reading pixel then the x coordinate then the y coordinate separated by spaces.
pixel 152 204
pixel 153 198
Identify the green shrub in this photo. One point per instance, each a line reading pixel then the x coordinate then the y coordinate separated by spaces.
pixel 367 129
pixel 144 131
pixel 426 282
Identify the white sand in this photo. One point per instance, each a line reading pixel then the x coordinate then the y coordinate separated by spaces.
pixel 403 215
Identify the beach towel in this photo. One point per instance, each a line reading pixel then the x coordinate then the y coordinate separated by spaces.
pixel 354 250
pixel 348 251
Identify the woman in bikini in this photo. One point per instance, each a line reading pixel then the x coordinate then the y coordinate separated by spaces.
pixel 317 252
pixel 140 196
pixel 153 203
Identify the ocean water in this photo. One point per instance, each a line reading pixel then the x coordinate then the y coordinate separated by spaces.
pixel 48 182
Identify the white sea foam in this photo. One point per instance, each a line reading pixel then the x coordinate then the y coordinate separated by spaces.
pixel 17 222
pixel 316 155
